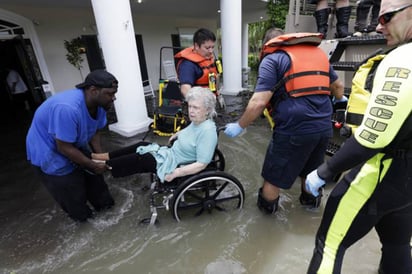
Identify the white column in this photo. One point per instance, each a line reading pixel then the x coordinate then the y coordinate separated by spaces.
pixel 117 38
pixel 231 18
pixel 245 54
pixel 245 45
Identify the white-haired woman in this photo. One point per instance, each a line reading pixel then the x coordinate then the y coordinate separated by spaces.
pixel 191 152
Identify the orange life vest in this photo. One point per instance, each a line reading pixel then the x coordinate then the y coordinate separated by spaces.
pixel 309 69
pixel 207 65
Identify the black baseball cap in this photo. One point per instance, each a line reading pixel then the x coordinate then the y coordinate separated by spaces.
pixel 99 78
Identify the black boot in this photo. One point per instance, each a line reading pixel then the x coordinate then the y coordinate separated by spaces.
pixel 342 17
pixel 322 17
pixel 268 207
pixel 374 19
pixel 362 12
pixel 307 199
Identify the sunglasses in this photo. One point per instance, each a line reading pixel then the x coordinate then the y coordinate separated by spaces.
pixel 387 17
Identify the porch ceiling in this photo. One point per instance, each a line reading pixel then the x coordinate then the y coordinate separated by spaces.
pixel 184 8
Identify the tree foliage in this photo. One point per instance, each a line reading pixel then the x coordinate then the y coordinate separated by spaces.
pixel 74 49
pixel 276 11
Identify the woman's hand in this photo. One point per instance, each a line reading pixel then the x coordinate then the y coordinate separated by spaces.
pixel 171 176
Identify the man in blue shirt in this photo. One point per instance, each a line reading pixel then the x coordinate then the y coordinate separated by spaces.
pixel 63 133
pixel 302 121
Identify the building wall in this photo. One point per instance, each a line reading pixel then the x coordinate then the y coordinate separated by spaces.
pixel 54 25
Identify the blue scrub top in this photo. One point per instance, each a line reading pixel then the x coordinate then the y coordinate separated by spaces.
pixel 294 115
pixel 65 117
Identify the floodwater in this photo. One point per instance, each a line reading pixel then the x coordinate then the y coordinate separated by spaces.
pixel 37 237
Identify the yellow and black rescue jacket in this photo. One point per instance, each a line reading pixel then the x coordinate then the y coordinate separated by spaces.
pixel 362 84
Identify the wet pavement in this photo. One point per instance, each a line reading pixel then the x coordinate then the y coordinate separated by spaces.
pixel 37 237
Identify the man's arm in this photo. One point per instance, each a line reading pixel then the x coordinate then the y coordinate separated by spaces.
pixel 184 88
pixel 12 79
pixel 13 87
pixel 95 143
pixel 255 107
pixel 337 89
pixel 76 156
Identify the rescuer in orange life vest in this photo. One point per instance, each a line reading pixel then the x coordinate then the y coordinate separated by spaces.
pixel 196 65
pixel 295 77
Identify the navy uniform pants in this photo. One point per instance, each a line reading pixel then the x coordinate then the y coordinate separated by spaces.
pixel 74 191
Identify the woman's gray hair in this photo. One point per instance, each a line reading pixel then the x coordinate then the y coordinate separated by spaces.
pixel 208 98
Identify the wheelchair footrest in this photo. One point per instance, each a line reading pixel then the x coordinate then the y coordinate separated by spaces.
pixel 148 221
pixel 153 218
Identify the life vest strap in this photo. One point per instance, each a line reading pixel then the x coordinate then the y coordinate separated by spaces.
pixel 298 74
pixel 208 66
pixel 325 90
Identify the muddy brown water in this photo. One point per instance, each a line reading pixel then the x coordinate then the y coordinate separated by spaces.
pixel 37 237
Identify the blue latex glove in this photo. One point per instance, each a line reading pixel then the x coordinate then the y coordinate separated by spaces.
pixel 341 100
pixel 233 129
pixel 314 183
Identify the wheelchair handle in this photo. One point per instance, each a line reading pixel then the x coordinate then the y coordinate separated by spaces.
pixel 219 129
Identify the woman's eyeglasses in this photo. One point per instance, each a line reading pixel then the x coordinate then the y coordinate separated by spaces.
pixel 387 17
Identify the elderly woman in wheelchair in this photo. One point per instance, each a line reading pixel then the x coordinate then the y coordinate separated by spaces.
pixel 193 152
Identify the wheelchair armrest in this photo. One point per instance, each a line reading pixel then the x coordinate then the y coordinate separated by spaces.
pixel 219 129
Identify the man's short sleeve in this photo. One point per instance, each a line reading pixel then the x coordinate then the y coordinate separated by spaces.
pixel 188 72
pixel 333 76
pixel 271 70
pixel 63 123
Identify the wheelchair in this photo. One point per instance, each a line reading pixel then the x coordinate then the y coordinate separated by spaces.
pixel 211 190
pixel 169 116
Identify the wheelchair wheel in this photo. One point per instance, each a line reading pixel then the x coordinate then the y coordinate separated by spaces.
pixel 207 192
pixel 218 161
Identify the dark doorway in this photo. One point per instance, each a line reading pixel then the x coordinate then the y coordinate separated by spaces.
pixel 17 54
pixel 142 57
pixel 93 52
pixel 95 57
pixel 176 45
pixel 16 112
pixel 95 61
